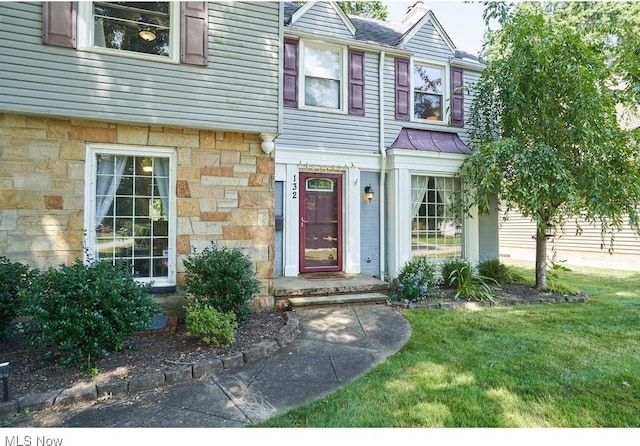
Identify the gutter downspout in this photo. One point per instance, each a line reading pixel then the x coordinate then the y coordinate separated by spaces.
pixel 383 166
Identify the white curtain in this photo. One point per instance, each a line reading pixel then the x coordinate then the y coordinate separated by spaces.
pixel 110 170
pixel 445 188
pixel 418 192
pixel 161 172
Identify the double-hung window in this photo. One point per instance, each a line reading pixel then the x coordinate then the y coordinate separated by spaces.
pixel 143 28
pixel 436 223
pixel 428 92
pixel 323 76
pixel 130 212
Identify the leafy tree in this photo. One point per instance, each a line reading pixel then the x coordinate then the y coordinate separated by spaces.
pixel 544 126
pixel 371 9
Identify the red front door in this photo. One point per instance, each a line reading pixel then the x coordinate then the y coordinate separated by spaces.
pixel 320 222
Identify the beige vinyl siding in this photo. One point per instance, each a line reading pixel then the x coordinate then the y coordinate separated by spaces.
pixel 516 242
pixel 518 231
pixel 228 94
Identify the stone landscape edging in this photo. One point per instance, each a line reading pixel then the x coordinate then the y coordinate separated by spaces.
pixel 473 305
pixel 195 371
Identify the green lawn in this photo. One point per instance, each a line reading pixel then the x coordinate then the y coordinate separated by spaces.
pixel 554 365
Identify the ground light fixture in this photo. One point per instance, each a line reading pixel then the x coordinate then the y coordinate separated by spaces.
pixel 5 372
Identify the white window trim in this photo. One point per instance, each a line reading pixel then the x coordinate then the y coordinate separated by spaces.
pixel 86 35
pixel 446 88
pixel 344 81
pixel 90 204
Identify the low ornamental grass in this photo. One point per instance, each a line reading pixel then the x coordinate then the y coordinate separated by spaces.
pixel 553 365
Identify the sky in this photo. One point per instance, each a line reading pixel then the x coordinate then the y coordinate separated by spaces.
pixel 461 20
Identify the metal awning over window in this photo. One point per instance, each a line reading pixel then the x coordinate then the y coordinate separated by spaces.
pixel 430 141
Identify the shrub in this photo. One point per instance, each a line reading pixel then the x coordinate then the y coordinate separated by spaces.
pixel 223 279
pixel 14 277
pixel 415 281
pixel 212 326
pixel 454 268
pixel 469 285
pixel 83 312
pixel 495 270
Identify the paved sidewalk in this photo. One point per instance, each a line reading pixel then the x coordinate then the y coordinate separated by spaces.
pixel 335 346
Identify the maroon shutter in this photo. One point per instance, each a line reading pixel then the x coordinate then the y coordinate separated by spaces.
pixel 403 93
pixel 356 83
pixel 59 23
pixel 290 72
pixel 193 33
pixel 457 98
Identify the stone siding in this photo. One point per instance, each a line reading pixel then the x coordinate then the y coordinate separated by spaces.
pixel 224 190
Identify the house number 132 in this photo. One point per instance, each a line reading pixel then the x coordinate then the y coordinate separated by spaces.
pixel 294 188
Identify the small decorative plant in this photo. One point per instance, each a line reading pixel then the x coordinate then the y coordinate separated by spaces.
pixel 458 268
pixel 496 270
pixel 500 272
pixel 83 312
pixel 212 326
pixel 223 279
pixel 415 281
pixel 471 286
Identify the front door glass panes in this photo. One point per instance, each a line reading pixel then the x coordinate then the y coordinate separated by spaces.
pixel 132 205
pixel 436 224
pixel 142 27
pixel 428 92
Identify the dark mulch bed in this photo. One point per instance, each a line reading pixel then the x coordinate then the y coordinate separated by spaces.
pixel 145 354
pixel 505 295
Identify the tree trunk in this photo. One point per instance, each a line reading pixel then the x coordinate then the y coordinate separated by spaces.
pixel 541 257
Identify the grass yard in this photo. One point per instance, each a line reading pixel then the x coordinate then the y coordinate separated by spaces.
pixel 555 365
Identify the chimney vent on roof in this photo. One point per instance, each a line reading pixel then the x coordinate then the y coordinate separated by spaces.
pixel 415 13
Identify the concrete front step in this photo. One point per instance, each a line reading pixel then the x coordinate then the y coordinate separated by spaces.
pixel 335 300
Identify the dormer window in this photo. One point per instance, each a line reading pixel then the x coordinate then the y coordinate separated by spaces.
pixel 428 92
pixel 323 76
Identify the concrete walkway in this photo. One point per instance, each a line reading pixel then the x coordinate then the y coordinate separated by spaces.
pixel 335 346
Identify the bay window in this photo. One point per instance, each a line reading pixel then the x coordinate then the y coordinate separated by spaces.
pixel 436 218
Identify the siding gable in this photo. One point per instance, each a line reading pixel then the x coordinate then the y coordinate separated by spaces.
pixel 323 17
pixel 428 42
pixel 426 36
